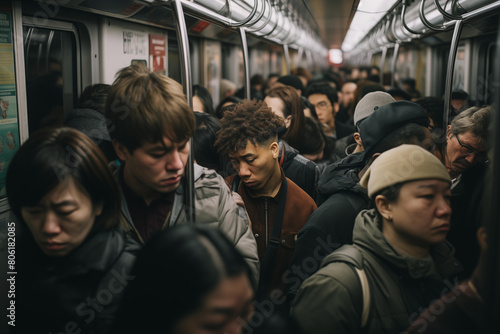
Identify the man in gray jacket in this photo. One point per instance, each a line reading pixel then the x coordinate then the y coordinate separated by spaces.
pixel 151 124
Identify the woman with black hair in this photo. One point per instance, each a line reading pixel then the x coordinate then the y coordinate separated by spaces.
pixel 202 100
pixel 72 258
pixel 188 279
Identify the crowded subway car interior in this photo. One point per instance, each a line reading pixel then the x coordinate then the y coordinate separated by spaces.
pixel 249 166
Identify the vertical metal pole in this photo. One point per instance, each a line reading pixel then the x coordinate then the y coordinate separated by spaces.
pixel 183 42
pixel 382 63
pixel 246 66
pixel 22 105
pixel 449 74
pixel 393 65
pixel 287 58
pixel 299 57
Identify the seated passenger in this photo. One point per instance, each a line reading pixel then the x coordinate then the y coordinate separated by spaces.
pixel 152 126
pixel 70 249
pixel 400 250
pixel 188 279
pixel 277 207
pixel 331 225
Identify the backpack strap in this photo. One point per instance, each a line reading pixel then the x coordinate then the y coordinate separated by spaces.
pixel 352 256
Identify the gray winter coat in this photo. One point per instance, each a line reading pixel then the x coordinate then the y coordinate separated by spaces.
pixel 214 206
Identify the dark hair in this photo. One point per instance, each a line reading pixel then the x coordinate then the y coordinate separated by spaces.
pixel 310 106
pixel 396 92
pixel 204 150
pixel 220 110
pixel 173 274
pixel 52 156
pixel 410 133
pixel 205 98
pixel 314 139
pixel 434 107
pixel 322 88
pixel 292 107
pixel 94 97
pixel 391 193
pixel 249 121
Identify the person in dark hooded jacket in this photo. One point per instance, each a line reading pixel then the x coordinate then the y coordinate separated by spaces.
pixel 331 225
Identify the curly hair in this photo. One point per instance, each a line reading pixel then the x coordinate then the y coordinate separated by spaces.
pixel 249 121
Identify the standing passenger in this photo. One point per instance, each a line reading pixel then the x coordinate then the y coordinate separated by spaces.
pixel 277 207
pixel 466 161
pixel 325 100
pixel 188 279
pixel 152 126
pixel 73 259
pixel 399 247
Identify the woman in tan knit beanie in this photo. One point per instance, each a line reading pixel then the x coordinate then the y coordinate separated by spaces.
pixel 400 254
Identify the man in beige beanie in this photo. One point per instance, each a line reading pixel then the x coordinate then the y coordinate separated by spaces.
pixel 402 259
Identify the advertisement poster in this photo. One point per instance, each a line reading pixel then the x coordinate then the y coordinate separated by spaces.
pixel 9 129
pixel 157 53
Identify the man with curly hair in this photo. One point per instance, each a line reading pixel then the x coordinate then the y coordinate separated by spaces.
pixel 277 207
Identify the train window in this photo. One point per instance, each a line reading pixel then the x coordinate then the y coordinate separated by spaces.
pixel 173 58
pixel 490 86
pixel 51 75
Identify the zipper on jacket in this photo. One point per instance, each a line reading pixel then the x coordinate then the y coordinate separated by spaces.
pixel 265 212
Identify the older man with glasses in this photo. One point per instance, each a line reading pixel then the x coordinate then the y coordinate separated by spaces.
pixel 466 160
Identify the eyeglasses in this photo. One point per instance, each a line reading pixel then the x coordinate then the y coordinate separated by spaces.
pixel 322 105
pixel 481 157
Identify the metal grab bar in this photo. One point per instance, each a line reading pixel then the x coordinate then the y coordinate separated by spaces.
pixel 266 21
pixel 287 58
pixel 449 74
pixel 403 12
pixel 253 21
pixel 428 24
pixel 393 65
pixel 182 37
pixel 249 17
pixel 486 10
pixel 246 65
pixel 202 12
pixel 444 13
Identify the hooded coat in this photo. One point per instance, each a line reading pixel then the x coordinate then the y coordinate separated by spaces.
pixel 331 225
pixel 401 286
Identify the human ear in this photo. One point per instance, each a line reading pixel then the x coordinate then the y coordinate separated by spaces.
pixel 98 208
pixel 275 149
pixel 288 121
pixel 383 207
pixel 121 151
pixel 357 138
pixel 335 107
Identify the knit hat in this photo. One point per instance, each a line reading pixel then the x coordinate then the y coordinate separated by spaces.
pixel 293 81
pixel 389 118
pixel 369 103
pixel 402 164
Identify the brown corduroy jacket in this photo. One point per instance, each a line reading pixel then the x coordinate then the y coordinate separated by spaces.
pixel 298 207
